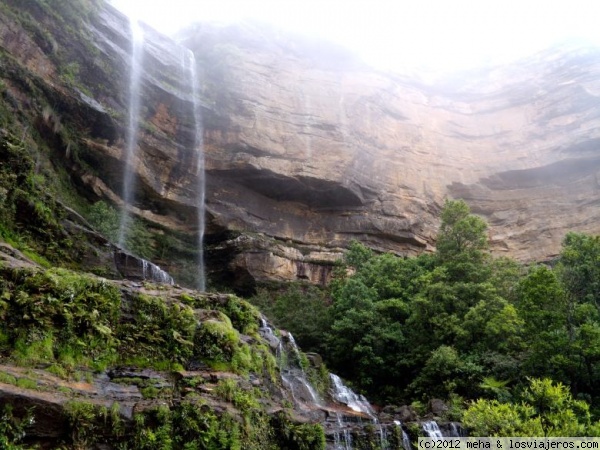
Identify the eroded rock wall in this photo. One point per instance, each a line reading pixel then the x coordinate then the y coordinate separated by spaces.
pixel 316 141
pixel 307 148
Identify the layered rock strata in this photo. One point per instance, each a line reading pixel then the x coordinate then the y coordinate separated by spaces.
pixel 306 148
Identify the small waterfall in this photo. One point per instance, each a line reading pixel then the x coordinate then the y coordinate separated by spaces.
pixel 405 439
pixel 302 375
pixel 135 75
pixel 343 394
pixel 454 429
pixel 342 439
pixel 153 272
pixel 432 429
pixel 134 268
pixel 290 366
pixel 201 182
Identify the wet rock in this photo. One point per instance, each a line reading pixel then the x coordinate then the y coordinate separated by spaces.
pixel 437 407
pixel 134 268
pixel 406 414
pixel 314 359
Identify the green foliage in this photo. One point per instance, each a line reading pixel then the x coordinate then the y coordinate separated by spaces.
pixel 157 332
pixel 462 241
pixel 194 426
pixel 105 219
pixel 545 409
pixel 13 429
pixel 216 341
pixel 298 436
pixel 357 255
pixel 27 383
pixel 30 216
pixel 302 309
pixel 455 322
pixel 243 316
pixel 243 399
pixel 138 239
pixel 58 316
pixel 579 267
pixel 89 423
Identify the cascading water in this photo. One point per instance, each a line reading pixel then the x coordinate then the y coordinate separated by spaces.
pixel 405 439
pixel 343 394
pixel 342 438
pixel 155 273
pixel 135 75
pixel 358 403
pixel 456 430
pixel 432 429
pixel 293 373
pixel 199 148
pixel 346 423
pixel 149 271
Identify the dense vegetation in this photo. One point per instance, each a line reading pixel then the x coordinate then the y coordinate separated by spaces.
pixel 76 326
pixel 457 324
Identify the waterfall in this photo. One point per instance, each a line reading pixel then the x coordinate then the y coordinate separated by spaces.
pixel 135 75
pixel 405 439
pixel 298 373
pixel 155 273
pixel 293 375
pixel 432 429
pixel 200 180
pixel 342 438
pixel 345 395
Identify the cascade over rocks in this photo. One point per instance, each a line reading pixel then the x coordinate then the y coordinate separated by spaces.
pixel 307 148
pixel 267 380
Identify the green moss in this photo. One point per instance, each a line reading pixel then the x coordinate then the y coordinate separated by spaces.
pixel 216 341
pixel 244 316
pixel 30 215
pixel 27 383
pixel 150 392
pixel 158 335
pixel 58 316
pixel 319 378
pixel 307 436
pixel 7 378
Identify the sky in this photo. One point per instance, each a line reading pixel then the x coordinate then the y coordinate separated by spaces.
pixel 442 35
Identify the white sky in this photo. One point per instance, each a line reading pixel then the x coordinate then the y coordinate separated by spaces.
pixel 437 34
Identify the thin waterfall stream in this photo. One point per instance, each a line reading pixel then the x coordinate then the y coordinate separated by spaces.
pixel 191 91
pixel 135 76
pixel 200 179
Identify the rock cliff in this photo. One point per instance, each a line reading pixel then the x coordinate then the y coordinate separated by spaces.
pixel 307 148
pixel 332 150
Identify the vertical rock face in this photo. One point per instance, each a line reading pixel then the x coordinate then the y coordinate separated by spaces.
pixel 306 148
pixel 312 140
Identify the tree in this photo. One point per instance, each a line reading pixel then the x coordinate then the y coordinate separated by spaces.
pixel 300 308
pixel 542 305
pixel 579 267
pixel 462 242
pixel 545 409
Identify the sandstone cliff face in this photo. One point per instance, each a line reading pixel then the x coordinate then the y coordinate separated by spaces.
pixel 326 150
pixel 306 148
